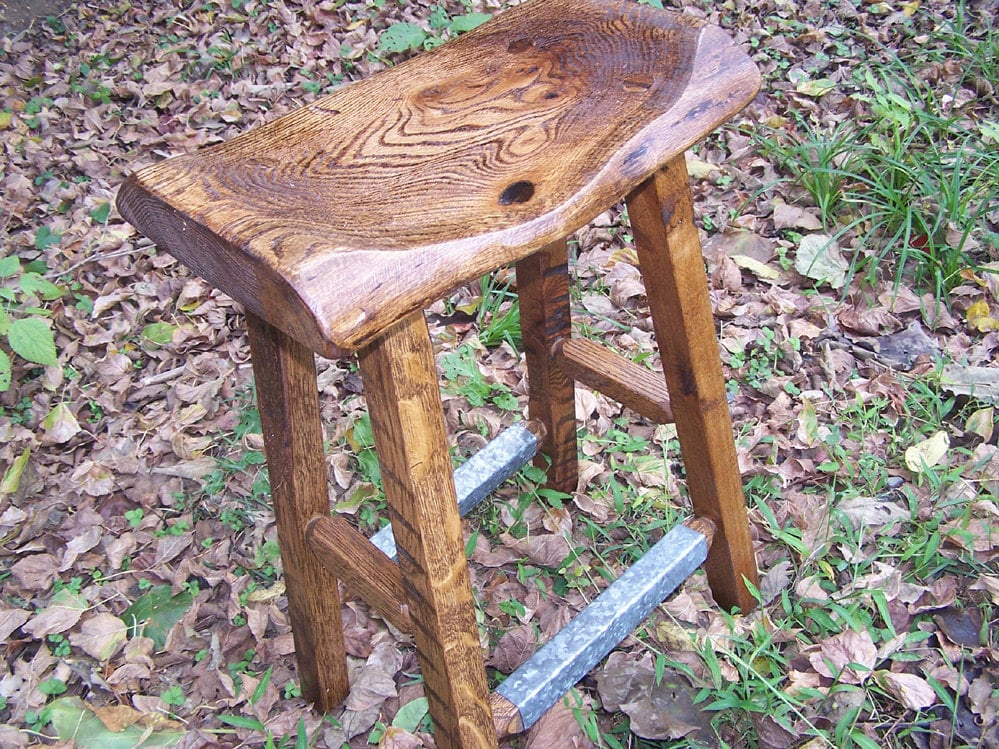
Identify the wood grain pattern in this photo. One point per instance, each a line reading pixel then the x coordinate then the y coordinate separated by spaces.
pixel 338 219
pixel 367 571
pixel 285 373
pixel 630 384
pixel 669 254
pixel 543 291
pixel 506 716
pixel 400 383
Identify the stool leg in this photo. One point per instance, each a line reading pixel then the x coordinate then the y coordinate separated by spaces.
pixel 401 387
pixel 543 290
pixel 669 253
pixel 289 414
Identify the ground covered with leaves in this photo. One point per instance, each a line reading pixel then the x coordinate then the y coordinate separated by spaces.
pixel 850 220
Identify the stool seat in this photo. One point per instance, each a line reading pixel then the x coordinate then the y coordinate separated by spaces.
pixel 336 220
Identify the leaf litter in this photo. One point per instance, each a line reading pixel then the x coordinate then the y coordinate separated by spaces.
pixel 142 597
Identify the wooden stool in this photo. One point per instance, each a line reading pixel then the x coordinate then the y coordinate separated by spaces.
pixel 335 226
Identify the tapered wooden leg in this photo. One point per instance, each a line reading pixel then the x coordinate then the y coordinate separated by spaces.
pixel 401 387
pixel 543 289
pixel 669 253
pixel 293 440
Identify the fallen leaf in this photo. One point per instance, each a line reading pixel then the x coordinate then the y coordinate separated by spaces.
pixel 848 657
pixel 60 425
pixel 792 217
pixel 979 382
pixel 559 728
pixel 981 422
pixel 817 88
pixel 979 317
pixel 10 620
pixel 818 257
pixel 100 636
pixel 63 612
pixel 514 648
pixel 72 721
pixel 93 478
pixel 926 454
pixel 981 697
pixel 988 584
pixel 411 715
pixel 910 690
pixel 117 718
pixel 12 476
pixel 663 710
pixel 667 711
pixel 81 544
pixel 758 269
pixel 700 169
pixel 871 512
pixel 36 571
pixel 808 424
pixel 545 549
pixel 398 738
pixel 734 242
pixel 155 612
pixel 973 534
pixel 375 682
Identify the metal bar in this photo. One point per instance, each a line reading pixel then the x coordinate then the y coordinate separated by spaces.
pixel 580 645
pixel 480 475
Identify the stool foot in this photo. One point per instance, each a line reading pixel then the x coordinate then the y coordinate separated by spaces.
pixel 285 373
pixel 543 289
pixel 400 383
pixel 669 253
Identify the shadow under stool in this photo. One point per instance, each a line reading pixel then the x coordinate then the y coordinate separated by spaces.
pixel 336 225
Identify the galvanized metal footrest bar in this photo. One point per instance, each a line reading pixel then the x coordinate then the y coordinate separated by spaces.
pixel 480 475
pixel 540 682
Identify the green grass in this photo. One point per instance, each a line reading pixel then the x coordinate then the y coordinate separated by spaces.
pixel 907 184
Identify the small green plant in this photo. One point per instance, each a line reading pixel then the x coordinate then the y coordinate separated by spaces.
pixel 24 324
pixel 173 696
pixel 405 36
pixel 52 687
pixel 134 517
pixel 60 645
pixel 820 162
pixel 464 377
pixel 498 314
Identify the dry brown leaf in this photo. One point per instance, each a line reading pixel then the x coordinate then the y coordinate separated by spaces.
pixel 912 691
pixel 62 613
pixel 35 571
pixel 793 217
pixel 117 718
pixel 545 549
pixel 397 738
pixel 559 729
pixel 514 648
pixel 848 657
pixel 100 636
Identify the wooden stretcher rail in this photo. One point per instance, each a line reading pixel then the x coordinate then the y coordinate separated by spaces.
pixel 613 375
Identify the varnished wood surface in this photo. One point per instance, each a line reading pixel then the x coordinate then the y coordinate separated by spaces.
pixel 506 716
pixel 669 254
pixel 338 219
pixel 367 571
pixel 545 321
pixel 400 382
pixel 630 384
pixel 285 374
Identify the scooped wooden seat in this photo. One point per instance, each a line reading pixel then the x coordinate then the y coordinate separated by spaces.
pixel 336 225
pixel 337 219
